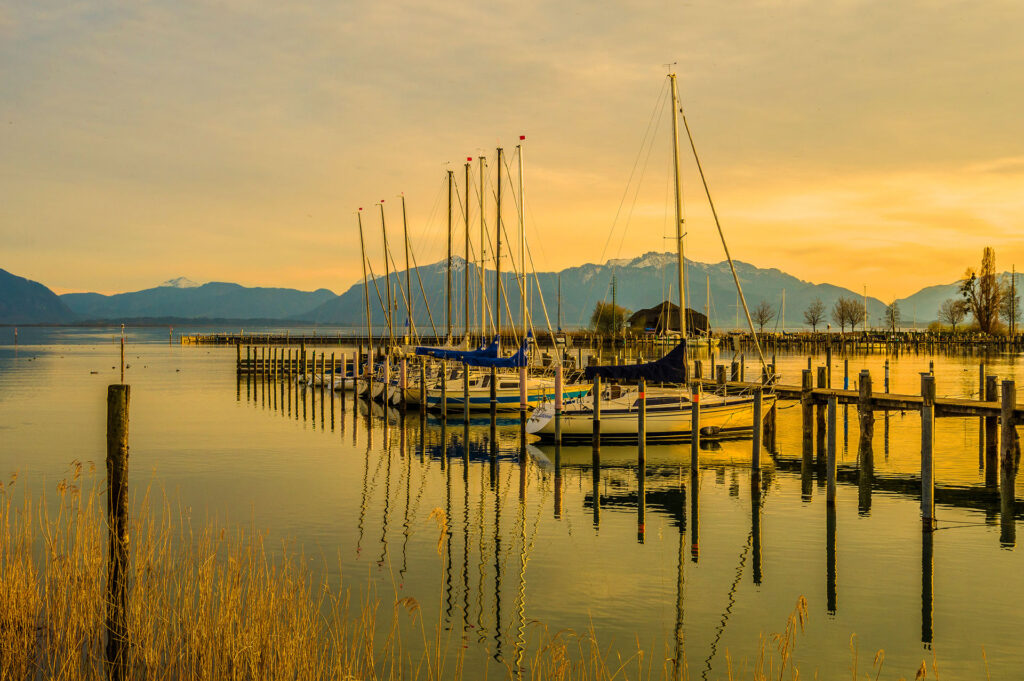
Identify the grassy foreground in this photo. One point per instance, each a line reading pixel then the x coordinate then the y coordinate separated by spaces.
pixel 209 603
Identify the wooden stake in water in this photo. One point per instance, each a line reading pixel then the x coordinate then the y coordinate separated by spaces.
pixel 641 415
pixel 122 354
pixel 830 464
pixel 1008 465
pixel 558 404
pixel 755 456
pixel 927 443
pixel 596 391
pixel 695 428
pixel 117 523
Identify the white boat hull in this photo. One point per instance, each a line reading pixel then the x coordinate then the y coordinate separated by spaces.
pixel 719 418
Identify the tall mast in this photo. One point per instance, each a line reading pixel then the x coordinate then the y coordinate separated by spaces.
pixel 408 282
pixel 465 265
pixel 448 269
pixel 483 252
pixel 387 267
pixel 366 297
pixel 679 203
pixel 707 304
pixel 497 253
pixel 783 315
pixel 522 236
pixel 559 301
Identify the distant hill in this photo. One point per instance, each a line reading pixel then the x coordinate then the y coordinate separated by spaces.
pixel 640 283
pixel 23 301
pixel 216 299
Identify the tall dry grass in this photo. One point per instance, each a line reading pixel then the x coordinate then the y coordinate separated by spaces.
pixel 210 604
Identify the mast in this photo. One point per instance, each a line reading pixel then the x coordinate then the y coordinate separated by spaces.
pixel 465 264
pixel 366 298
pixel 408 283
pixel 679 203
pixel 559 301
pixel 497 253
pixel 448 269
pixel 707 303
pixel 387 267
pixel 522 236
pixel 483 252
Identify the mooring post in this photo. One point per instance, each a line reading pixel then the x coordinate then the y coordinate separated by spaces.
pixel 403 384
pixel 720 377
pixel 494 398
pixel 344 381
pixel 755 455
pixel 641 425
pixel 118 397
pixel 867 416
pixel 846 373
pixel 828 366
pixel 830 464
pixel 558 406
pixel 444 390
pixel 734 371
pixel 465 394
pixel 423 387
pixel 1008 466
pixel 886 376
pixel 743 364
pixel 695 427
pixel 927 443
pixel 819 418
pixel 991 434
pixel 238 358
pixel 807 412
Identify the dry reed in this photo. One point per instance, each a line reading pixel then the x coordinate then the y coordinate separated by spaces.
pixel 211 604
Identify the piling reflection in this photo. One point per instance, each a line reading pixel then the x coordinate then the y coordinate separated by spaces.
pixel 927 587
pixel 830 558
pixel 755 524
pixel 481 583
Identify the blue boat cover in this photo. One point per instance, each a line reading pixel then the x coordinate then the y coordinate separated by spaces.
pixel 517 360
pixel 460 355
pixel 669 369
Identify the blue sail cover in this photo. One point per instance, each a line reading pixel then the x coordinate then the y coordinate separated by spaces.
pixel 460 355
pixel 517 360
pixel 669 369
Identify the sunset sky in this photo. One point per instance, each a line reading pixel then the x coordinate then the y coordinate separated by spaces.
pixel 853 142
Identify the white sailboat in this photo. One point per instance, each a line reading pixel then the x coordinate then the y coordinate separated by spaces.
pixel 669 408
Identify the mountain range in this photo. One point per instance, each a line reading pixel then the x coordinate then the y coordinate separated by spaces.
pixel 638 283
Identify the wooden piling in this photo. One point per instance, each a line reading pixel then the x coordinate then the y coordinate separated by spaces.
pixel 867 416
pixel 927 443
pixel 558 404
pixel 755 458
pixel 1009 450
pixel 807 411
pixel 991 435
pixel 830 463
pixel 734 371
pixel 641 416
pixel 819 420
pixel 444 390
pixel 118 398
pixel 695 428
pixel 596 391
pixel 720 378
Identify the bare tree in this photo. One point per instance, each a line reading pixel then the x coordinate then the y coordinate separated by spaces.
pixel 982 293
pixel 815 314
pixel 1009 305
pixel 952 311
pixel 855 313
pixel 892 316
pixel 841 314
pixel 762 314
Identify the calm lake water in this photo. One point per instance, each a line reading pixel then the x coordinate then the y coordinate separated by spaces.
pixel 568 548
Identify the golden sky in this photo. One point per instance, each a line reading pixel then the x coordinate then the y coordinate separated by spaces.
pixel 853 142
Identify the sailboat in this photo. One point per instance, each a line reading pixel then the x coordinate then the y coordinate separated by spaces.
pixel 669 403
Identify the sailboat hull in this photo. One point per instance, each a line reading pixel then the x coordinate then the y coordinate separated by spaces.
pixel 732 417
